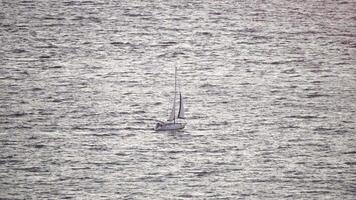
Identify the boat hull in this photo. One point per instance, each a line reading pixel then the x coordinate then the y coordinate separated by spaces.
pixel 168 126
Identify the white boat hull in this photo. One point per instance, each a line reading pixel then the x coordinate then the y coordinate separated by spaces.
pixel 168 126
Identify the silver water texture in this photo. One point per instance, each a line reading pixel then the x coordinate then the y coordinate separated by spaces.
pixel 270 88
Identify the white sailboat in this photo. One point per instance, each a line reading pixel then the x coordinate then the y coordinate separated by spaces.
pixel 174 121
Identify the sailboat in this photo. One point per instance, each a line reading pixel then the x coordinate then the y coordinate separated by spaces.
pixel 174 121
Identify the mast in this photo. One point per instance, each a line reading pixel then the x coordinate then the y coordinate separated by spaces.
pixel 175 92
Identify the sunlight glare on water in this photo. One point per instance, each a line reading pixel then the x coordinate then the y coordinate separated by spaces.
pixel 269 87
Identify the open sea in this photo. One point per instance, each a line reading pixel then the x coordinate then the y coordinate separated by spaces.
pixel 269 90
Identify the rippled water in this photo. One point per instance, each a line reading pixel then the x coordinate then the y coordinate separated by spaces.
pixel 270 91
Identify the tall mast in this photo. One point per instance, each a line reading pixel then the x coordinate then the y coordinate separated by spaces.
pixel 175 90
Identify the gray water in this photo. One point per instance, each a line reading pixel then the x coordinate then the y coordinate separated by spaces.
pixel 269 86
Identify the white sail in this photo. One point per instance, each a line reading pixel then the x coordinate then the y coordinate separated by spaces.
pixel 173 112
pixel 172 117
pixel 181 107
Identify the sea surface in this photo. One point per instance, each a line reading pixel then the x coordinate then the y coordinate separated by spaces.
pixel 269 87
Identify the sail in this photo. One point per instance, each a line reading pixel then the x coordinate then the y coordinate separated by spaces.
pixel 172 116
pixel 181 107
pixel 173 112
